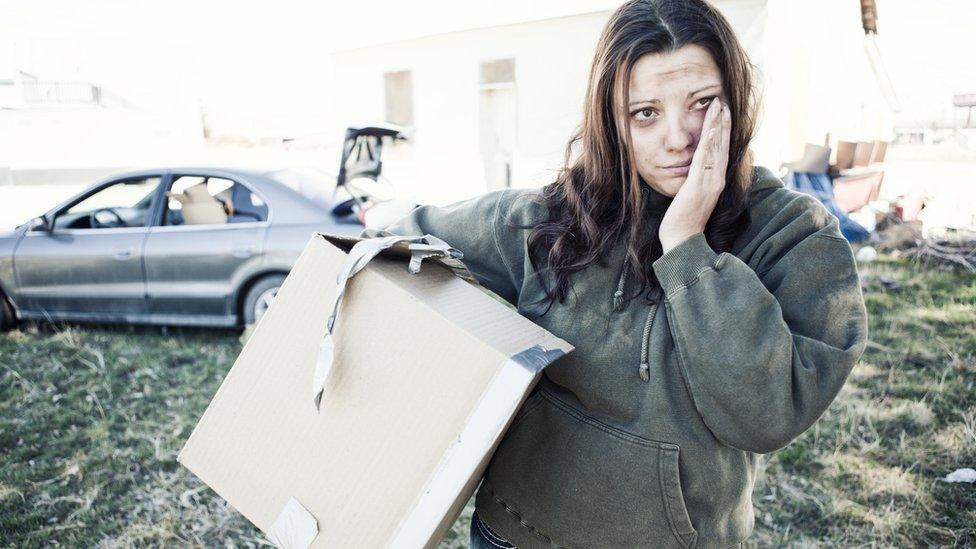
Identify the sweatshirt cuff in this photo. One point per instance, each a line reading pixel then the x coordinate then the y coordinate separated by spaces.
pixel 682 264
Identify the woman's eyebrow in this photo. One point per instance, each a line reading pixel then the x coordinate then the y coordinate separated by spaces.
pixel 690 95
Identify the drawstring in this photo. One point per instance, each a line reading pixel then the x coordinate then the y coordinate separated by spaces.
pixel 644 369
pixel 655 202
pixel 618 296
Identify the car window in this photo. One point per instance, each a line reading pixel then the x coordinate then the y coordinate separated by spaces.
pixel 248 205
pixel 119 205
pixel 203 200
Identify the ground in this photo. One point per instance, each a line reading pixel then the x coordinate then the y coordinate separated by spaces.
pixel 91 419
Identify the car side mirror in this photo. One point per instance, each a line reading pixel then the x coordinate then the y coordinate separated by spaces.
pixel 41 223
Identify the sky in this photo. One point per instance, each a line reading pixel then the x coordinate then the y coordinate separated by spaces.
pixel 928 49
pixel 237 58
pixel 233 56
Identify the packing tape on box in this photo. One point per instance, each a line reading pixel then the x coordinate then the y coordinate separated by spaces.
pixel 536 357
pixel 420 247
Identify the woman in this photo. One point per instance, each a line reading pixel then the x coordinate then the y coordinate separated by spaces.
pixel 715 313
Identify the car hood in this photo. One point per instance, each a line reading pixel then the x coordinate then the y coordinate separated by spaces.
pixel 10 232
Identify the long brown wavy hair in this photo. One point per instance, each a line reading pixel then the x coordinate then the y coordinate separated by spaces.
pixel 598 194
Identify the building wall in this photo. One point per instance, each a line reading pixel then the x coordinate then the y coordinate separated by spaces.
pixel 443 161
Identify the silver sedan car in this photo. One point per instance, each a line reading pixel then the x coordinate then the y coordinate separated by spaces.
pixel 174 246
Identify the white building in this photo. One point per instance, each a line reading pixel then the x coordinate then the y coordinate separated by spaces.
pixel 69 130
pixel 495 106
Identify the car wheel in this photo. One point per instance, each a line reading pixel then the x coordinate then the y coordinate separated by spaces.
pixel 260 296
pixel 7 318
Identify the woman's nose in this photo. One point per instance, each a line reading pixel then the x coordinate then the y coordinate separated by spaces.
pixel 680 132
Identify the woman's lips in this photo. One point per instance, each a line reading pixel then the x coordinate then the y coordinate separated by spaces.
pixel 678 170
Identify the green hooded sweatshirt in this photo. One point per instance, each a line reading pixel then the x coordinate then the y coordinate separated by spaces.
pixel 649 434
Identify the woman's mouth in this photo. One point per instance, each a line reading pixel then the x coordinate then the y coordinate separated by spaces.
pixel 678 170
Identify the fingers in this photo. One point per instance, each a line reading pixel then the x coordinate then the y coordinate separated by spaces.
pixel 705 152
pixel 717 147
pixel 722 148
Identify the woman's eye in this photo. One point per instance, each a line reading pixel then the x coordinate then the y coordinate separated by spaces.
pixel 707 101
pixel 643 114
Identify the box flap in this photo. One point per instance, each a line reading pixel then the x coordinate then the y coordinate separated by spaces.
pixel 401 250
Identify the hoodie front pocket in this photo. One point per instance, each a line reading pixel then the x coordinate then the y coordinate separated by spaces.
pixel 574 481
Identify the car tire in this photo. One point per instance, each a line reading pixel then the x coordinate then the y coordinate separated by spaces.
pixel 259 297
pixel 7 318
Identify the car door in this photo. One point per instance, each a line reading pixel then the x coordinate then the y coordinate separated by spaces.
pixel 208 234
pixel 88 266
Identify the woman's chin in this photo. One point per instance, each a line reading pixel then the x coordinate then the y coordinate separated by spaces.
pixel 667 186
pixel 671 185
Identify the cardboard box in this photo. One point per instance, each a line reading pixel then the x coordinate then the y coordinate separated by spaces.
pixel 429 370
pixel 845 154
pixel 815 159
pixel 863 152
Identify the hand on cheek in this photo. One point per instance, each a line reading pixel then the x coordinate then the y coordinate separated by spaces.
pixel 695 200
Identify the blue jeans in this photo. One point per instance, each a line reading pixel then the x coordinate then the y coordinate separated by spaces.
pixel 483 537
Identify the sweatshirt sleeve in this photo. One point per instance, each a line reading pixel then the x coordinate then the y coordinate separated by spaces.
pixel 471 226
pixel 763 355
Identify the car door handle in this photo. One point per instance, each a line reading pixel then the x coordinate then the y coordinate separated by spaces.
pixel 122 255
pixel 243 252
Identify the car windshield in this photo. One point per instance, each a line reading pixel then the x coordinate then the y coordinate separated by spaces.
pixel 131 194
pixel 122 204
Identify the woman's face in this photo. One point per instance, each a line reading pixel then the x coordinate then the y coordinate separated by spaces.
pixel 669 94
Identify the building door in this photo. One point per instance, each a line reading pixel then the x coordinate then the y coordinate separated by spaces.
pixel 497 122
